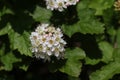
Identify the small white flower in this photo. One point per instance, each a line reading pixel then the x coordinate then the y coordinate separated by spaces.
pixel 34 39
pixel 59 5
pixel 71 2
pixel 41 28
pixel 47 41
pixel 51 4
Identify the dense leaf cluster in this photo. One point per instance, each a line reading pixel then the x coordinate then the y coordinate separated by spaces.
pixel 91 29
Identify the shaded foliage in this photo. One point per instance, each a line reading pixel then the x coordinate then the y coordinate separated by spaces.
pixel 91 30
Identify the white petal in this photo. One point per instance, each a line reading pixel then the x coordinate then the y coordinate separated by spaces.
pixel 56 54
pixel 49 53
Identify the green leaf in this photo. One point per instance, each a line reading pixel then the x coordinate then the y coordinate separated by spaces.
pixel 41 14
pixel 107 51
pixel 72 68
pixel 83 4
pixel 75 54
pixel 111 31
pixel 90 26
pixel 108 16
pixel 83 11
pixel 8 61
pixel 73 65
pixel 5 30
pixel 100 5
pixel 24 67
pixel 68 30
pixel 6 10
pixel 116 55
pixel 2 50
pixel 20 42
pixel 89 61
pixel 118 38
pixel 88 23
pixel 106 72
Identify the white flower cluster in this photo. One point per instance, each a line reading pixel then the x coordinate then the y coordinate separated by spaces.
pixel 47 41
pixel 59 4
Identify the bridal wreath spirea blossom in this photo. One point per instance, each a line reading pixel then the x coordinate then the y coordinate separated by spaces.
pixel 47 41
pixel 59 4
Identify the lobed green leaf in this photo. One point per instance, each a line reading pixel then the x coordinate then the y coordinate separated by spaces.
pixel 5 30
pixel 42 15
pixel 73 65
pixel 107 51
pixel 8 61
pixel 106 72
pixel 20 42
pixel 89 61
pixel 88 23
pixel 100 5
